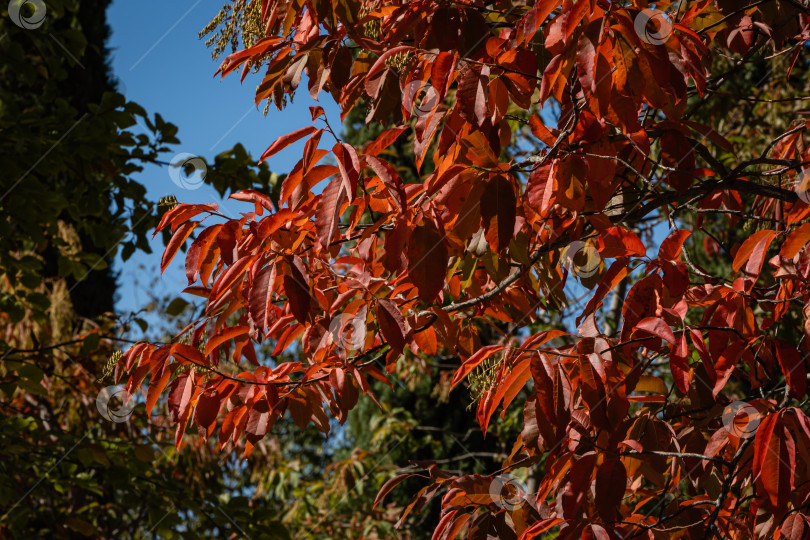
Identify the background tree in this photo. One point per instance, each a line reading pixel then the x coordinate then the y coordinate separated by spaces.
pixel 69 149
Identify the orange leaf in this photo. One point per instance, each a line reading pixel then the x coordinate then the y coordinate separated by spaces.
pixel 759 242
pixel 795 241
pixel 224 335
pixel 286 140
pixel 472 362
pixel 778 467
pixel 178 239
pixel 385 139
pixel 618 242
pixel 506 391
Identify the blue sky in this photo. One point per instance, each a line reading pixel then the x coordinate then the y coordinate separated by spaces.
pixel 162 65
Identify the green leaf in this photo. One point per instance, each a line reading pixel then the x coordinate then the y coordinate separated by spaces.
pixel 176 307
pixel 142 324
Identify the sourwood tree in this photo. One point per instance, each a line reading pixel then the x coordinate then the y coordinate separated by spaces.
pixel 554 142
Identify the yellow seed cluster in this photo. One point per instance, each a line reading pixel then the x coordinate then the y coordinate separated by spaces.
pixel 398 61
pixel 191 367
pixel 203 340
pixel 371 29
pixel 169 201
pixel 483 378
pixel 110 365
pixel 240 20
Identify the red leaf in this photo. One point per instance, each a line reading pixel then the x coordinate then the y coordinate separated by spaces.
pixel 778 467
pixel 505 391
pixel 617 272
pixel 186 354
pixel 472 362
pixel 316 112
pixel 285 140
pixel 795 527
pixel 677 152
pixel 205 414
pixel 392 325
pixel 540 131
pixel 156 386
pixel 224 335
pixel 793 367
pixel 195 257
pixel 296 286
pixel 390 178
pixel 618 242
pixel 611 483
pixel 371 88
pixel 498 212
pixel 670 249
pixel 761 440
pixel 178 239
pixel 540 527
pixel 263 46
pixel 586 50
pixel 540 189
pixel 725 365
pixel 327 216
pixel 183 212
pixel 795 241
pixel 180 395
pixel 679 364
pixel 575 489
pixel 657 327
pixel 259 420
pixel 209 404
pixel 531 22
pixel 754 247
pixel 593 392
pixel 234 273
pixel 441 71
pixel 349 166
pixel 427 260
pixel 575 15
pixel 250 195
pixel 260 306
pixel 544 388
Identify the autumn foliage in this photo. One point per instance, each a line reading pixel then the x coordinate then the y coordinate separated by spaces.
pixel 535 127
